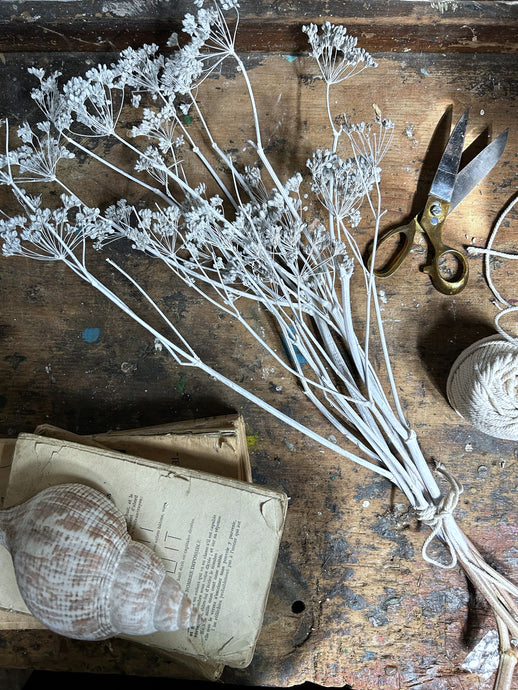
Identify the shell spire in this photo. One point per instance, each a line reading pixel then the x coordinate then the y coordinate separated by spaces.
pixel 174 610
pixel 80 573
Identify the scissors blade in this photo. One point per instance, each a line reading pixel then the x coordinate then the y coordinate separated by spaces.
pixel 444 180
pixel 475 171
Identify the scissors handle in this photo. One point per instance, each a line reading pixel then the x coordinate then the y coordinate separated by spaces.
pixel 407 233
pixel 432 222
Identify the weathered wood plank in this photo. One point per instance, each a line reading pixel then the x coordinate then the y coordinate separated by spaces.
pixel 399 26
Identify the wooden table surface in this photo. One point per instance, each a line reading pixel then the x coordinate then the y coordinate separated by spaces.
pixel 352 600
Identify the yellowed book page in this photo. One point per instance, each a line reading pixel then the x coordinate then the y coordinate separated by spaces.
pixel 17 613
pixel 218 537
pixel 212 444
pixel 15 620
pixel 10 597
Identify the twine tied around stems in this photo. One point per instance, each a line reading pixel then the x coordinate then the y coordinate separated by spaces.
pixel 434 515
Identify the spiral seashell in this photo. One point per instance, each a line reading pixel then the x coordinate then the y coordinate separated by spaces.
pixel 483 387
pixel 80 573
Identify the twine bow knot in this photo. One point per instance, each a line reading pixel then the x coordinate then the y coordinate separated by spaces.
pixel 434 515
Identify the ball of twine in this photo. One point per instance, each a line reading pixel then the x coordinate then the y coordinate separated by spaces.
pixel 482 387
pixel 483 382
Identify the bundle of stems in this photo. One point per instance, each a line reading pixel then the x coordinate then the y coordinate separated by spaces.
pixel 249 240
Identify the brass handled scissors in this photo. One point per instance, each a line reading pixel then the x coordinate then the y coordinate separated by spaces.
pixel 449 187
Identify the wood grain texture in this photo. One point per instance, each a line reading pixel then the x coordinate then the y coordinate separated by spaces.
pixel 352 600
pixel 272 25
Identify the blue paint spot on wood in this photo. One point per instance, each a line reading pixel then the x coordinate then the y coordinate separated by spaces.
pixel 290 58
pixel 298 354
pixel 91 335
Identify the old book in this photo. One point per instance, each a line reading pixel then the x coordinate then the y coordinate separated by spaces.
pixel 214 444
pixel 211 444
pixel 219 537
